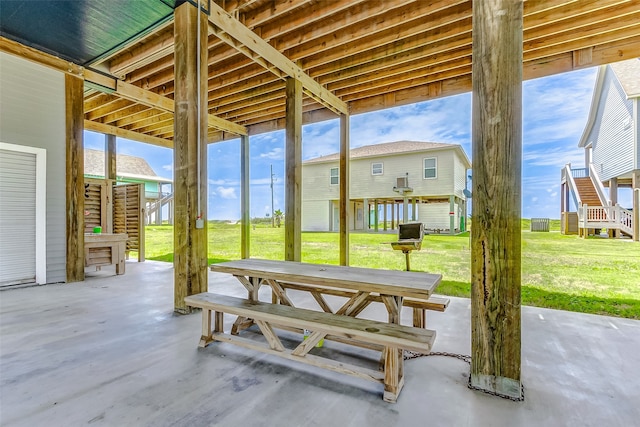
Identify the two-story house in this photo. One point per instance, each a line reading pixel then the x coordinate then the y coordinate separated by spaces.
pixel 402 181
pixel 611 140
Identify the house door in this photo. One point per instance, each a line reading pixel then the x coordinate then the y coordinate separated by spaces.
pixel 19 232
pixel 335 216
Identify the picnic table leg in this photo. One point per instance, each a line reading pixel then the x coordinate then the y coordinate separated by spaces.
pixel 393 357
pixel 393 378
pixel 206 337
pixel 252 284
pixel 419 317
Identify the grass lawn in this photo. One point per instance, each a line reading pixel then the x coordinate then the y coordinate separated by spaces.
pixel 600 276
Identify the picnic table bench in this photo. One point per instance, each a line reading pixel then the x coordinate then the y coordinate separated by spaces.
pixel 360 286
pixel 393 337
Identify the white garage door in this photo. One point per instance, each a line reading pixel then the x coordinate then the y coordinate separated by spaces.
pixel 17 217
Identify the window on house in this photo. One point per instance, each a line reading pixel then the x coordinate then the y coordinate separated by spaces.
pixel 334 180
pixel 376 169
pixel 430 168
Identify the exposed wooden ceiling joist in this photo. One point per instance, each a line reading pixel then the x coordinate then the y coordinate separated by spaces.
pixel 241 38
pixel 368 54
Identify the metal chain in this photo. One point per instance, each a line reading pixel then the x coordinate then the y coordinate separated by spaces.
pixel 408 355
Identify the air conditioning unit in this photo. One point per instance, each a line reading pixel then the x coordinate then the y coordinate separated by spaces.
pixel 402 185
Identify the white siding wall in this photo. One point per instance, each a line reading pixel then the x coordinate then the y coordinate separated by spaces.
pixel 316 215
pixel 636 121
pixel 435 215
pixel 450 177
pixel 365 185
pixel 460 177
pixel 316 183
pixel 612 143
pixel 32 113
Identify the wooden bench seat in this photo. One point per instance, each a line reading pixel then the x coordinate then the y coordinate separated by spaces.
pixel 394 338
pixel 434 303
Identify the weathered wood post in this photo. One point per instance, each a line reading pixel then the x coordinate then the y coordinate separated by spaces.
pixel 74 125
pixel 635 183
pixel 190 155
pixel 245 220
pixel 110 172
pixel 344 177
pixel 497 175
pixel 293 173
pixel 110 163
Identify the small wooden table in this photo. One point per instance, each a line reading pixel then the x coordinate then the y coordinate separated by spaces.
pixel 391 286
pixel 105 249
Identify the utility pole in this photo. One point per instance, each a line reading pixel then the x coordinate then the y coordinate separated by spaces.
pixel 273 221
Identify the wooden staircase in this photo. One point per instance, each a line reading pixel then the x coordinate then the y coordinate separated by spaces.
pixel 587 192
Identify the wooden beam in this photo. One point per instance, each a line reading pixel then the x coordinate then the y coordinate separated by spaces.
pixel 497 177
pixel 160 46
pixel 245 211
pixel 240 37
pixel 293 191
pixel 154 100
pixel 190 156
pixel 34 55
pixel 74 89
pixel 344 179
pixel 110 169
pixel 270 20
pixel 124 133
pixel 120 88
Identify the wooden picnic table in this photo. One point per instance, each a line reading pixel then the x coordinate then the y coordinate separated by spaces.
pixel 390 286
pixel 360 286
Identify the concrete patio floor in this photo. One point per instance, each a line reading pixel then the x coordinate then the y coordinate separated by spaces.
pixel 110 351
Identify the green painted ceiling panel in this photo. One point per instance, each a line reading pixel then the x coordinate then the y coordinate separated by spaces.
pixel 80 30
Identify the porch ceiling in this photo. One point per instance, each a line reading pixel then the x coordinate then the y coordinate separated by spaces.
pixel 371 54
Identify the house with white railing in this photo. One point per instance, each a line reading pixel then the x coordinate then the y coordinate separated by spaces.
pixel 611 142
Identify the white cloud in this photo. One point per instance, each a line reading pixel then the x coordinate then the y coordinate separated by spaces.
pixel 218 181
pixel 557 157
pixel 168 167
pixel 275 154
pixel 225 192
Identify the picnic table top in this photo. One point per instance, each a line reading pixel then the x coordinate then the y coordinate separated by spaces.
pixel 385 282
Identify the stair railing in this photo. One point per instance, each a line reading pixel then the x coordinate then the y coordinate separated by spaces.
pixel 567 175
pixel 625 220
pixel 597 184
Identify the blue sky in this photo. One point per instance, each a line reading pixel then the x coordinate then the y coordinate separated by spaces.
pixel 555 111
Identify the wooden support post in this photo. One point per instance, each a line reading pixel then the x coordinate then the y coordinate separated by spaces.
pixel 74 124
pixel 110 169
pixel 497 177
pixel 345 175
pixel 413 209
pixel 366 216
pixel 405 210
pixel 613 191
pixel 190 155
pixel 635 183
pixel 245 217
pixel 452 214
pixel 110 172
pixel 398 213
pixel 384 216
pixel 613 200
pixel 393 212
pixel 293 181
pixel 376 208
